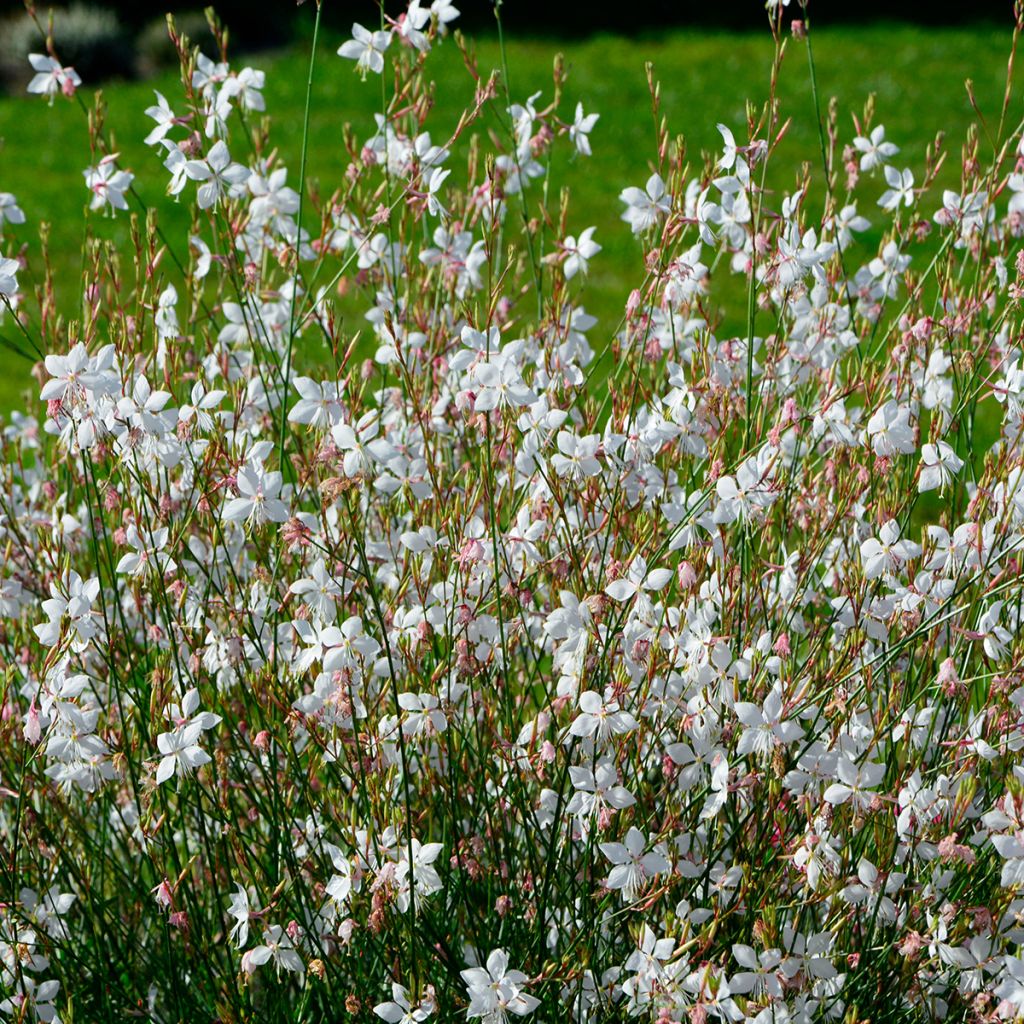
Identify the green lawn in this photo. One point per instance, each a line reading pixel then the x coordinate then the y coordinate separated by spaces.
pixel 918 77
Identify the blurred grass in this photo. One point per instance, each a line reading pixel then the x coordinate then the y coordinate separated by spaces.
pixel 918 76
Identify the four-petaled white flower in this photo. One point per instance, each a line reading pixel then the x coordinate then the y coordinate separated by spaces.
pixel 578 252
pixel 108 185
pixel 258 499
pixel 632 866
pixel 366 48
pixel 495 991
pixel 601 719
pixel 874 149
pixel 219 177
pixel 886 552
pixel 580 129
pixel 900 190
pixel 50 78
pixel 646 206
pixel 939 465
pixel 180 746
pixel 276 946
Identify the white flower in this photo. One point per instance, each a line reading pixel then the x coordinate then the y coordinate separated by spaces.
pixel 890 430
pixel 108 185
pixel 219 176
pixel 366 48
pixel 900 190
pixel 579 252
pixel 632 867
pixel 599 719
pixel 276 946
pixel 165 120
pixel 319 591
pixel 241 912
pixel 855 782
pixel 579 131
pixel 144 554
pixel 9 210
pixel 8 281
pixel 401 1010
pixel 409 28
pixel 576 457
pixel 886 552
pixel 939 464
pixel 319 405
pixel 765 726
pixel 875 150
pixel 50 78
pixel 645 207
pixel 495 991
pixel 445 12
pixel 258 499
pixel 180 747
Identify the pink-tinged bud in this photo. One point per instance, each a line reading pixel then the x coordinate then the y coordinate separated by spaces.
pixel 781 647
pixel 464 401
pixel 686 575
pixel 604 818
pixel 547 752
pixel 163 893
pixel 261 741
pixel 33 727
pixel 293 930
pixel 633 303
pixel 179 919
pixel 247 965
pixel 502 905
pixel 53 410
pixel 789 411
pixel 67 86
pixel 640 651
pixel 472 551
pixel 120 536
pixel 949 678
pixel 798 28
pixel 49 490
pixel 111 500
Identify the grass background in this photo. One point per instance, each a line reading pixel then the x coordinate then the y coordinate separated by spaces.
pixel 918 75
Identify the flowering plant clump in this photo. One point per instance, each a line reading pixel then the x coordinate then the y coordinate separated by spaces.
pixel 383 636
